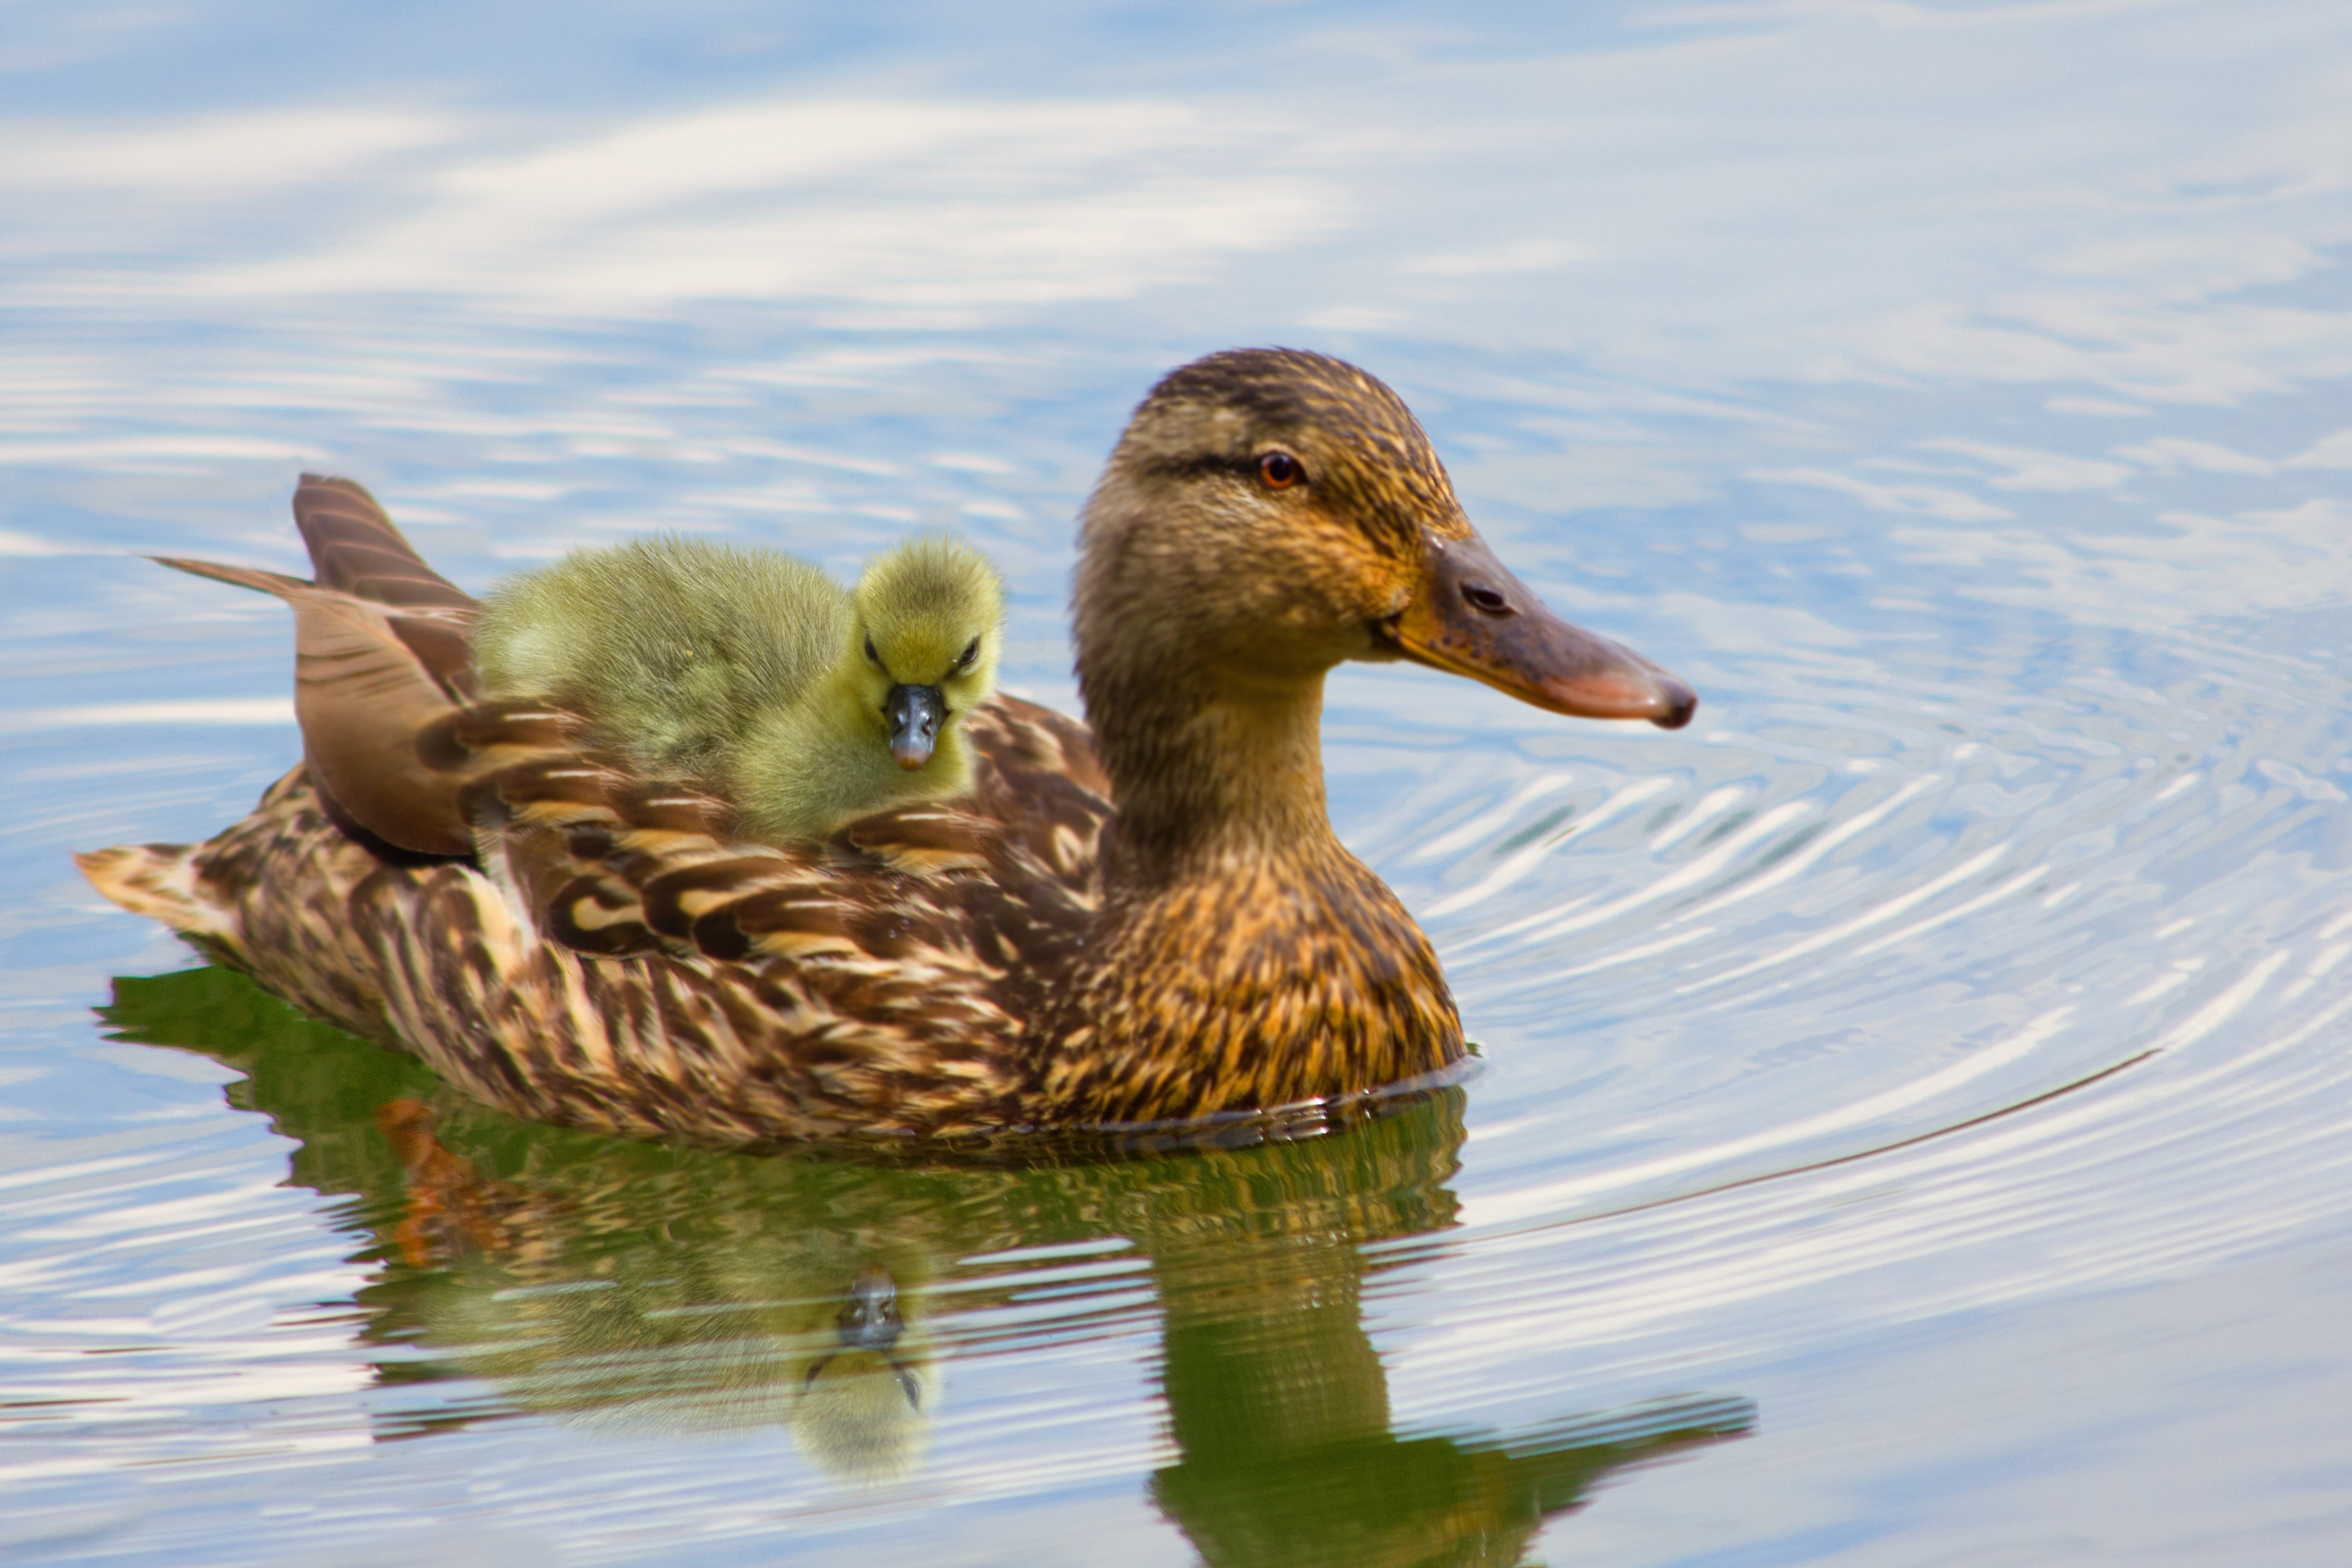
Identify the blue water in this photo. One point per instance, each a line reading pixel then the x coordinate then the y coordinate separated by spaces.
pixel 1914 1107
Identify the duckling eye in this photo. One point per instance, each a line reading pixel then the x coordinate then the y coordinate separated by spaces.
pixel 1279 470
pixel 872 655
pixel 972 651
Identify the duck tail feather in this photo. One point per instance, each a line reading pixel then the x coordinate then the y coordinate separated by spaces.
pixel 161 882
pixel 355 549
pixel 252 577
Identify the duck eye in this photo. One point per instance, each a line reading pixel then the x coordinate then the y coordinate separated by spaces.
pixel 1279 470
pixel 971 652
pixel 872 655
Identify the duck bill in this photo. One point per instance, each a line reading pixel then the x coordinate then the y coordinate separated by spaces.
pixel 914 714
pixel 1472 618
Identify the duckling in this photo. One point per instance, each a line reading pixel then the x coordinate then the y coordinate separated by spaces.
pixel 810 705
pixel 664 644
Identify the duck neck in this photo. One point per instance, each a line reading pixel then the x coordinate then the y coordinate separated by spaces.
pixel 1208 771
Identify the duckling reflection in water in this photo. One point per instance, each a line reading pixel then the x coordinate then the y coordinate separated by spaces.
pixel 635 1339
pixel 862 1412
pixel 810 706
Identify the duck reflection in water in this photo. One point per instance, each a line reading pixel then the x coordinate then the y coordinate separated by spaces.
pixel 640 1286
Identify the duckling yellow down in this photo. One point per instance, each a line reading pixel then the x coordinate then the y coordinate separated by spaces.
pixel 812 706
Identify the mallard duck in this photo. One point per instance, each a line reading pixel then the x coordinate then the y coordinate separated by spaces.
pixel 808 707
pixel 1146 920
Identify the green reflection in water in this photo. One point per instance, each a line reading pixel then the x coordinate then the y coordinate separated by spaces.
pixel 653 1287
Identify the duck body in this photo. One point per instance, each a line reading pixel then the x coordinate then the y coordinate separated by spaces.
pixel 759 673
pixel 1143 921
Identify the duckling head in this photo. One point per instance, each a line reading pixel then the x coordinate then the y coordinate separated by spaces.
pixel 1269 513
pixel 864 1403
pixel 929 624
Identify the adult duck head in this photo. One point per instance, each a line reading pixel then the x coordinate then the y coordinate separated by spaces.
pixel 1268 514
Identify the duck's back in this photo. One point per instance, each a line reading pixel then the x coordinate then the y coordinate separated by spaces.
pixel 670 644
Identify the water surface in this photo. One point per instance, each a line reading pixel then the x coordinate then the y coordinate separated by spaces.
pixel 1913 1104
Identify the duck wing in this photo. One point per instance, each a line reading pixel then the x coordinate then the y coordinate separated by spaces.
pixel 617 958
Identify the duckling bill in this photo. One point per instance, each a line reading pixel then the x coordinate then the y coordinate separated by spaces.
pixel 913 714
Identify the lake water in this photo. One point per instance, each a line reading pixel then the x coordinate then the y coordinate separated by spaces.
pixel 1915 1107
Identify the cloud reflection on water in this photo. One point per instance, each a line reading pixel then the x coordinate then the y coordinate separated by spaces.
pixel 1833 195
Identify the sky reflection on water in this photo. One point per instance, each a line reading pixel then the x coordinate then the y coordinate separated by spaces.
pixel 1954 393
